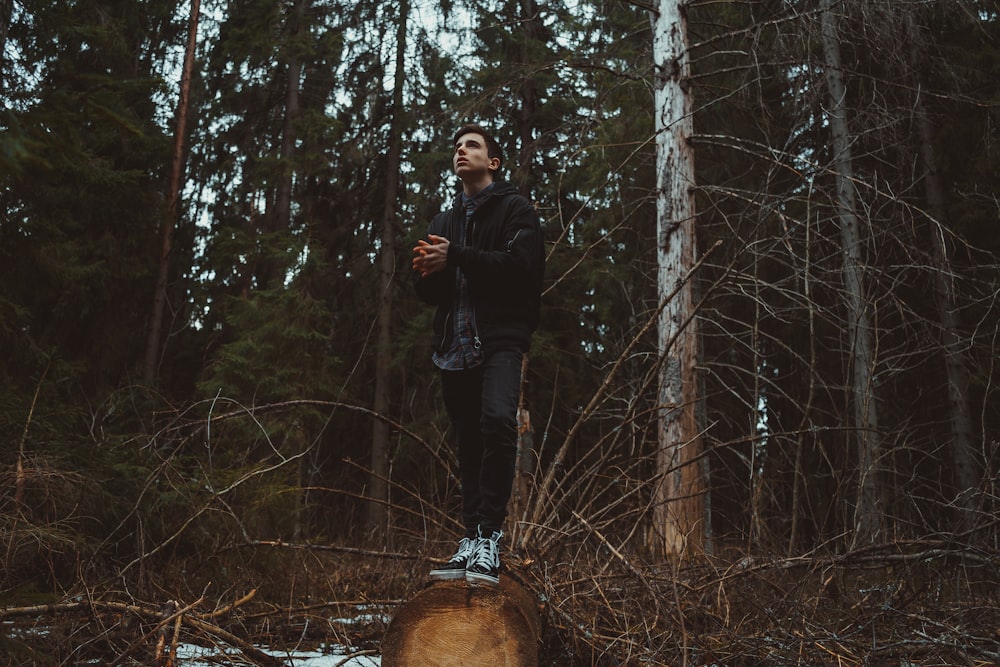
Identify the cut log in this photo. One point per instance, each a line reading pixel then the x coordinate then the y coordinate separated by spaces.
pixel 453 624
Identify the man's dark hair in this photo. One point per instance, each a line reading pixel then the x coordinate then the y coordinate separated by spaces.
pixel 492 147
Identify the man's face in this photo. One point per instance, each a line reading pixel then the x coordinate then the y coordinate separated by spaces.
pixel 471 158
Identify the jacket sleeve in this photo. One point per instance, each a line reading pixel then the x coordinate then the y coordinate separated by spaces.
pixel 520 259
pixel 435 289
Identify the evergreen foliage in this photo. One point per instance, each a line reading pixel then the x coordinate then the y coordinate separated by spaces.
pixel 261 425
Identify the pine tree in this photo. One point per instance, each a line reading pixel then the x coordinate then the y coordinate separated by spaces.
pixel 153 336
pixel 388 251
pixel 84 191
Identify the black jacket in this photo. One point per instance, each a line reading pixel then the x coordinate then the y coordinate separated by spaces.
pixel 503 261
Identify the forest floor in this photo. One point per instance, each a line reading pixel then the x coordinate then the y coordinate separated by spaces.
pixel 905 604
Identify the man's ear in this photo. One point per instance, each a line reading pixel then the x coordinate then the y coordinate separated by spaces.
pixel 494 164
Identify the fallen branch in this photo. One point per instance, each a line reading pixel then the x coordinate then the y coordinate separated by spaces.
pixel 324 547
pixel 228 608
pixel 352 656
pixel 249 650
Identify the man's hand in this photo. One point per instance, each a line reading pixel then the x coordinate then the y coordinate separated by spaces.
pixel 430 257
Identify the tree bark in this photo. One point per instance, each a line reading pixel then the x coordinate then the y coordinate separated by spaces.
pixel 289 138
pixel 381 433
pixel 967 471
pixel 867 513
pixel 6 14
pixel 526 462
pixel 155 333
pixel 532 31
pixel 525 178
pixel 679 492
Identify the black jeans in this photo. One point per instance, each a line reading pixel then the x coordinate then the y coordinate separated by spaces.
pixel 482 405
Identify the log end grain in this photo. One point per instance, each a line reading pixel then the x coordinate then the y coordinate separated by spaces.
pixel 452 624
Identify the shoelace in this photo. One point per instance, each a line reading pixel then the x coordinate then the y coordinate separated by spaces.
pixel 465 548
pixel 487 552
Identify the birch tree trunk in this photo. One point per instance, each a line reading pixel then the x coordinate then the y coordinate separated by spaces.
pixel 679 492
pixel 867 512
pixel 381 433
pixel 155 333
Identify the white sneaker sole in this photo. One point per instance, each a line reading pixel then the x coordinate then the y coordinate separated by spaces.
pixel 447 575
pixel 484 579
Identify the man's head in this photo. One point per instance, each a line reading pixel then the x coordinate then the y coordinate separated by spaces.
pixel 477 157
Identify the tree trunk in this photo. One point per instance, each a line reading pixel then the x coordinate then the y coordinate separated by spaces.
pixel 381 433
pixel 525 178
pixel 867 513
pixel 6 14
pixel 456 625
pixel 968 473
pixel 532 31
pixel 279 221
pixel 155 333
pixel 679 496
pixel 526 462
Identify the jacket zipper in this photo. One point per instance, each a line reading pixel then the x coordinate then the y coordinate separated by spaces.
pixel 476 342
pixel 510 244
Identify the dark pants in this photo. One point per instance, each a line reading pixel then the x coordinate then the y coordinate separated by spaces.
pixel 482 405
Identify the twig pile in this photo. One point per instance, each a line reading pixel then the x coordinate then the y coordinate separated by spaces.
pixel 913 603
pixel 128 630
pixel 925 602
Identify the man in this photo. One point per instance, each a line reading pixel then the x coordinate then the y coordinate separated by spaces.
pixel 481 264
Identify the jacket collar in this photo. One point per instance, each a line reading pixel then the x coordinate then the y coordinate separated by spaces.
pixel 500 188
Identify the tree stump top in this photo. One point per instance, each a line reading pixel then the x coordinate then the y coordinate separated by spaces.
pixel 452 624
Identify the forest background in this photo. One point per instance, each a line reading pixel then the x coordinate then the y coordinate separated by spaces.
pixel 211 350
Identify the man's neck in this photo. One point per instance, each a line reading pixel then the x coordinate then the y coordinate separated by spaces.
pixel 472 188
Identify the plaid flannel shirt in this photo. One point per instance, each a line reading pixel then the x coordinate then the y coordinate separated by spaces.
pixel 466 348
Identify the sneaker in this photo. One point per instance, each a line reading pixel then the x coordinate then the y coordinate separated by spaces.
pixel 455 568
pixel 484 563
